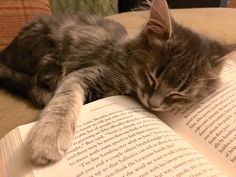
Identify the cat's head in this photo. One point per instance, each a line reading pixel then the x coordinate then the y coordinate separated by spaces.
pixel 172 65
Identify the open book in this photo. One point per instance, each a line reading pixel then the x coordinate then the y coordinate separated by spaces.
pixel 116 136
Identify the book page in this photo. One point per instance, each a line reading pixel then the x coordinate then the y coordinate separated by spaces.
pixel 13 157
pixel 116 136
pixel 210 125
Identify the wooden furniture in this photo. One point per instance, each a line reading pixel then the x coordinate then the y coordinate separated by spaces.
pixel 232 3
pixel 128 5
pixel 196 3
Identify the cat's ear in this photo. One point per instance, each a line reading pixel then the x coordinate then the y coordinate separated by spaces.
pixel 159 23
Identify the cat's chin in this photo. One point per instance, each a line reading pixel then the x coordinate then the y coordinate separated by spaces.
pixel 160 109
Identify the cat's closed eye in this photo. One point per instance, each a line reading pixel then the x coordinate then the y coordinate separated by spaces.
pixel 176 95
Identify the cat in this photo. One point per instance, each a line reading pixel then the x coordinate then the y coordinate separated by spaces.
pixel 61 62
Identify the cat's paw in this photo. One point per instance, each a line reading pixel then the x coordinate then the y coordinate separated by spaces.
pixel 48 142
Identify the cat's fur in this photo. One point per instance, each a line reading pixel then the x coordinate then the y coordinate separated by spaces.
pixel 64 61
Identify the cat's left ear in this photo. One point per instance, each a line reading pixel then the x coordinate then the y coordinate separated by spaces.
pixel 159 24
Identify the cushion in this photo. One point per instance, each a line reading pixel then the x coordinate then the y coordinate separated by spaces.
pixel 100 7
pixel 217 23
pixel 15 13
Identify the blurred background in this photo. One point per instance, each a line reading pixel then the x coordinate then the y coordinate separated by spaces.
pixel 99 7
pixel 126 5
pixel 109 7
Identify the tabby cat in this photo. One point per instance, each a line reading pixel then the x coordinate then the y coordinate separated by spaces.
pixel 61 62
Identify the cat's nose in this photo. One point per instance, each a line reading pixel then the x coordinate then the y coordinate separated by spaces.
pixel 155 101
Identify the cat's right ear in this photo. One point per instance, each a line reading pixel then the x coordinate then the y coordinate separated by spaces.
pixel 159 23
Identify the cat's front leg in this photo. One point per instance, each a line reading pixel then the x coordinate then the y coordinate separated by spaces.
pixel 52 135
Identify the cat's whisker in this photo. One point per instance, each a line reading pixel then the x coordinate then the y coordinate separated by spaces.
pixel 205 87
pixel 204 93
pixel 200 99
pixel 213 88
pixel 201 79
pixel 142 51
pixel 231 64
pixel 224 58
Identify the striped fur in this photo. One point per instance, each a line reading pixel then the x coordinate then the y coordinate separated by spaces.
pixel 61 62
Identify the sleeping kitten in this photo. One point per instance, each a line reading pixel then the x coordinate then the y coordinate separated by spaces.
pixel 65 61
